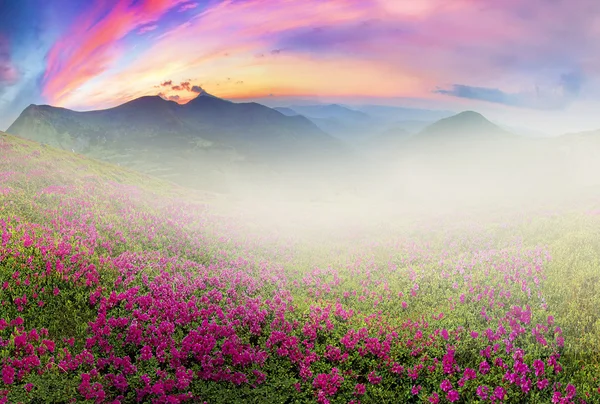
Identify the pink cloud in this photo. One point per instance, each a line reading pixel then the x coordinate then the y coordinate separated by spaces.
pixel 88 48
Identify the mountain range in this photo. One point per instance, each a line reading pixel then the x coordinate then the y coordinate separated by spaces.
pixel 210 142
pixel 208 137
pixel 250 128
pixel 357 124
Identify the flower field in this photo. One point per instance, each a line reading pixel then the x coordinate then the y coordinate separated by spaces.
pixel 117 288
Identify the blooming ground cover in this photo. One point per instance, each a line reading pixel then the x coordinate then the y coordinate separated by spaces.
pixel 115 288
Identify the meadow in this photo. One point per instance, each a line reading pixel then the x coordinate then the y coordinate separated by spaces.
pixel 117 288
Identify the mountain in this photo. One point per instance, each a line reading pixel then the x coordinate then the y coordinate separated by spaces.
pixel 330 111
pixel 344 123
pixel 364 124
pixel 250 128
pixel 411 126
pixel 466 126
pixel 286 111
pixel 395 114
pixel 463 146
pixel 255 127
pixel 204 140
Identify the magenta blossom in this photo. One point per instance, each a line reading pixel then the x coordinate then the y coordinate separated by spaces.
pixel 453 396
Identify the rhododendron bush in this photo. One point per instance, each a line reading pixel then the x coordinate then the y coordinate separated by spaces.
pixel 116 289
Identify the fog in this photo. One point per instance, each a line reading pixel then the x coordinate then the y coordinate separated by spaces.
pixel 424 181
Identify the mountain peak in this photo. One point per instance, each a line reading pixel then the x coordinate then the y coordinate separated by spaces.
pixel 469 115
pixel 466 123
pixel 204 93
pixel 147 101
pixel 205 99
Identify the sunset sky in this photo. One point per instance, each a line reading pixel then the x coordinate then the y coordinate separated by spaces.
pixel 533 62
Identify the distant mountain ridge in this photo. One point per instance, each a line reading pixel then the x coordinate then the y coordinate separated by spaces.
pixel 342 122
pixel 251 128
pixel 329 111
pixel 206 139
pixel 395 114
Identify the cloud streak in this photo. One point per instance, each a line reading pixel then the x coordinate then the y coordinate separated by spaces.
pixel 567 87
pixel 89 47
pixel 147 28
pixel 188 6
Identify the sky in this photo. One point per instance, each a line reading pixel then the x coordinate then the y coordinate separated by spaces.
pixel 533 63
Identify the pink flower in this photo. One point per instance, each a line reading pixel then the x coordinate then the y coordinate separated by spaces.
pixel 373 378
pixel 328 383
pixel 446 385
pixel 571 391
pixel 452 396
pixel 49 344
pixel 360 389
pixel 556 397
pixel 538 365
pixel 469 374
pixel 8 374
pixel 146 353
pixel 499 393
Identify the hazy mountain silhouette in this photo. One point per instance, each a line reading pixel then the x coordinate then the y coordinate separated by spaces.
pixel 286 111
pixel 394 114
pixel 251 128
pixel 342 122
pixel 467 124
pixel 410 126
pixel 329 111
